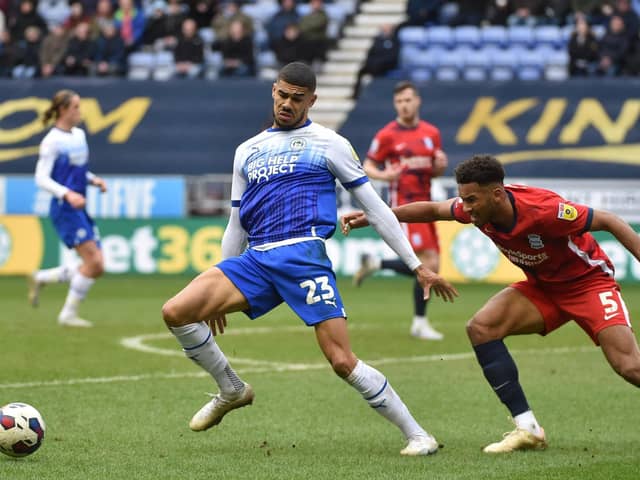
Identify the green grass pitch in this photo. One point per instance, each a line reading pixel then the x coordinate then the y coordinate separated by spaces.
pixel 117 398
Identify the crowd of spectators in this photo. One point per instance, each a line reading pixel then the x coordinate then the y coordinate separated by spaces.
pixel 42 38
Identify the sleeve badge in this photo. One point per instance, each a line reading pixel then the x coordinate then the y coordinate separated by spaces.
pixel 567 212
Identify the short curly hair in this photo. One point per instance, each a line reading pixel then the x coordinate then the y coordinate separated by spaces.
pixel 481 169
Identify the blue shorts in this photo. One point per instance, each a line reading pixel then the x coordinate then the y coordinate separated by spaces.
pixel 74 226
pixel 299 275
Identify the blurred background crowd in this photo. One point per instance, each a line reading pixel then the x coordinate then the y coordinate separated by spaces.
pixel 212 38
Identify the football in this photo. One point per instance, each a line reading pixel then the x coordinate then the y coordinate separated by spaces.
pixel 21 429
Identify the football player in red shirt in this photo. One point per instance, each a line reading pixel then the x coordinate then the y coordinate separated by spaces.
pixel 569 277
pixel 407 153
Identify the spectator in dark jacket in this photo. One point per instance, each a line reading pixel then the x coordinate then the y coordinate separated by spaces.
pixel 8 54
pixel 629 17
pixel 583 49
pixel 109 52
pixel 156 28
pixel 237 53
pixel 291 47
pixel 78 58
pixel 202 11
pixel 28 54
pixel 470 12
pixel 189 53
pixel 174 18
pixel 26 17
pixel 382 56
pixel 423 12
pixel 613 47
pixel 283 17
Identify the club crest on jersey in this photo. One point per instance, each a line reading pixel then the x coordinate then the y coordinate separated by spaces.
pixel 428 142
pixel 535 241
pixel 298 143
pixel 567 212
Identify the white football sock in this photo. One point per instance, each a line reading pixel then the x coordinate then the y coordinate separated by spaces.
pixel 62 273
pixel 199 345
pixel 419 321
pixel 78 289
pixel 527 421
pixel 375 389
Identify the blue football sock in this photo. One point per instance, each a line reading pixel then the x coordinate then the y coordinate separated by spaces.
pixel 502 374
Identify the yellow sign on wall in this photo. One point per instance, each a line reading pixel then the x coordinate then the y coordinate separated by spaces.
pixel 21 244
pixel 469 255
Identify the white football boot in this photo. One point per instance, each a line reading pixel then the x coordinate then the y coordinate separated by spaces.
pixel 212 412
pixel 420 446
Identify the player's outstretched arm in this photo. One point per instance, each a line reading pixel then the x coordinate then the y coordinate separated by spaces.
pixel 415 212
pixel 423 212
pixel 609 222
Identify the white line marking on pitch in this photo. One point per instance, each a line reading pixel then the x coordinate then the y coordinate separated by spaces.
pixel 282 367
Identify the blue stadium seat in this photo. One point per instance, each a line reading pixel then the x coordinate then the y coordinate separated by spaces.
pixel 519 35
pixel 208 36
pixel 428 59
pixel 261 12
pixel 548 35
pixel 503 64
pixel 336 11
pixel 477 65
pixel 140 65
pixel 599 31
pixel 565 33
pixel 303 9
pixel 530 65
pixel 212 64
pixel 408 55
pixel 450 64
pixel 557 66
pixel 261 39
pixel 420 75
pixel 441 36
pixel 164 66
pixel 413 36
pixel 493 35
pixel 266 59
pixel 466 35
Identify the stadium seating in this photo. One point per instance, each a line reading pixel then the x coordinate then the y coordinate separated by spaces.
pixel 486 53
pixel 164 66
pixel 415 36
pixel 141 65
pixel 468 36
pixel 494 35
pixel 441 36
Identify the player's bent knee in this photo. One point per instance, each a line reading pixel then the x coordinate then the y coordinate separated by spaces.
pixel 97 269
pixel 171 314
pixel 478 332
pixel 342 365
pixel 630 371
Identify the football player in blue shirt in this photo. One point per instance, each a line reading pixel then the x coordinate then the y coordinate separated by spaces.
pixel 62 170
pixel 284 208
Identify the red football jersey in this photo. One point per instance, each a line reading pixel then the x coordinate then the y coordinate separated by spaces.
pixel 414 149
pixel 549 239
